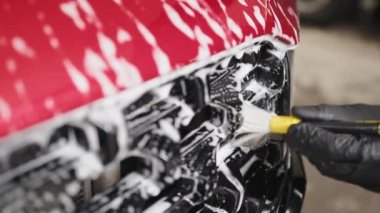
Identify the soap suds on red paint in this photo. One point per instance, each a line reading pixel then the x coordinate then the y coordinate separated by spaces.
pixel 123 36
pixel 77 77
pixel 20 87
pixel 10 65
pixel 259 17
pixel 49 103
pixel 126 73
pixel 213 24
pixel 250 22
pixel 243 2
pixel 71 10
pixel 187 10
pixel 22 48
pixel 230 22
pixel 96 67
pixel 160 57
pixel 204 42
pixel 54 43
pixel 5 111
pixel 91 16
pixel 177 21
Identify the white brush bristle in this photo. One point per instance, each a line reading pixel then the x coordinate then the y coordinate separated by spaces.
pixel 256 120
pixel 255 128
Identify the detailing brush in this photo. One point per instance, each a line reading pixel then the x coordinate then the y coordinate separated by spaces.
pixel 259 123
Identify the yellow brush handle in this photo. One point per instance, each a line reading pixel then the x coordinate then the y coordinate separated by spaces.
pixel 281 124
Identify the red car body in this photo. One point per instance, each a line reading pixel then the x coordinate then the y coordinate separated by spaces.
pixel 56 56
pixel 133 105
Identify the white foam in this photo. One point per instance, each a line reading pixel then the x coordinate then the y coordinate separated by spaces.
pixel 244 169
pixel 287 20
pixel 90 12
pixel 147 35
pixel 40 15
pixel 223 152
pixel 277 28
pixel 177 21
pixel 54 43
pixel 49 103
pixel 67 202
pixel 48 30
pixel 20 87
pixel 243 72
pixel 5 110
pixel 259 17
pixel 71 10
pixel 135 92
pixel 213 24
pixel 243 2
pixel 10 65
pixel 204 42
pixel 118 2
pixel 234 181
pixel 77 77
pixel 106 114
pixel 123 36
pixel 230 22
pixel 170 130
pixel 159 206
pixel 72 188
pixel 88 166
pixel 161 59
pixel 126 73
pixel 95 67
pixel 235 28
pixel 215 209
pixel 250 22
pixel 187 10
pixel 115 204
pixel 21 47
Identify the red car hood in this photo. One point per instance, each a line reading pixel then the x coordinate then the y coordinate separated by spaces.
pixel 58 55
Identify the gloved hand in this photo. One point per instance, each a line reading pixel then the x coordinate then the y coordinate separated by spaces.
pixel 351 158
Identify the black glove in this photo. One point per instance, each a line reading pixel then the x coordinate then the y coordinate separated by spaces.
pixel 351 158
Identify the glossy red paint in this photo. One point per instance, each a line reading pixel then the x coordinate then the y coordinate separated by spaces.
pixel 58 55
